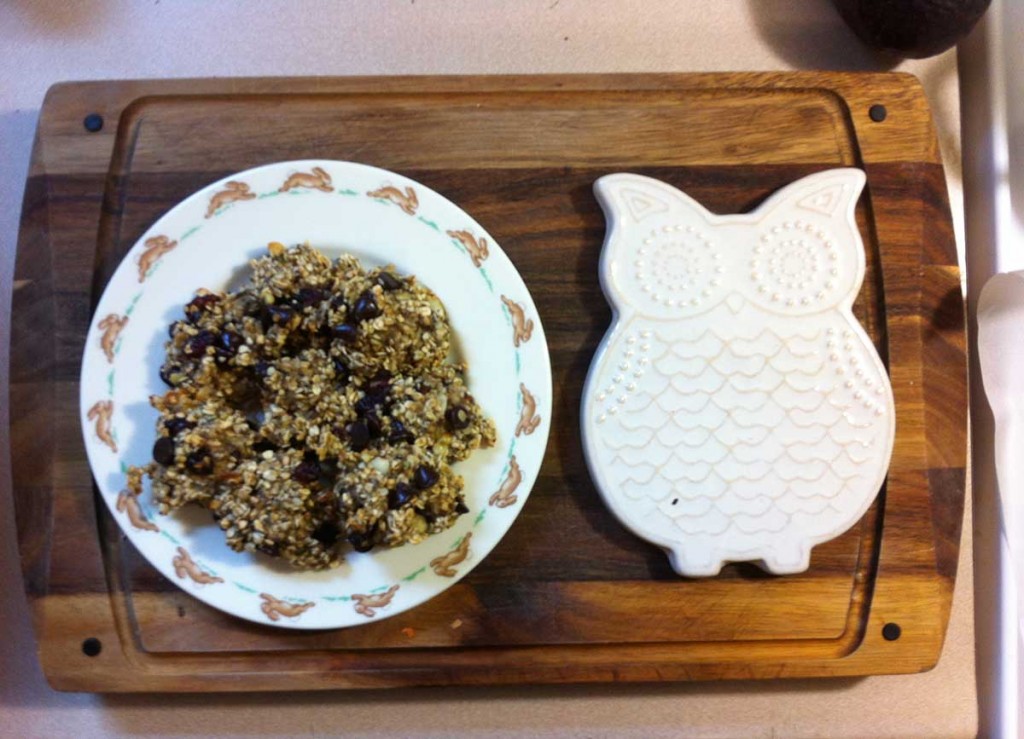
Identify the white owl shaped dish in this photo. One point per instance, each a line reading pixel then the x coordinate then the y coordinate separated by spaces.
pixel 735 410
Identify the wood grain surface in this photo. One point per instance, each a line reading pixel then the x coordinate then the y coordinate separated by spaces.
pixel 569 594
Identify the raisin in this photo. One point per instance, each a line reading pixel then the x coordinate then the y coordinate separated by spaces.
pixel 373 424
pixel 456 418
pixel 255 419
pixel 196 346
pixel 163 451
pixel 366 307
pixel 327 533
pixel 326 502
pixel 261 368
pixel 173 328
pixel 341 373
pixel 172 375
pixel 228 344
pixel 269 547
pixel 280 315
pixel 199 305
pixel 366 404
pixel 306 472
pixel 379 384
pixel 176 425
pixel 424 477
pixel 358 436
pixel 361 542
pixel 264 445
pixel 309 296
pixel 245 394
pixel 328 471
pixel 400 495
pixel 388 281
pixel 346 333
pixel 199 462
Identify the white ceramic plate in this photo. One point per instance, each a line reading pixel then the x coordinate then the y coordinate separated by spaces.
pixel 381 217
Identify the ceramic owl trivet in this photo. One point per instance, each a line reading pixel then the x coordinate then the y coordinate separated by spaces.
pixel 736 410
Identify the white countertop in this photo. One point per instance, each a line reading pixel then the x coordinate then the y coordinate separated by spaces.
pixel 45 42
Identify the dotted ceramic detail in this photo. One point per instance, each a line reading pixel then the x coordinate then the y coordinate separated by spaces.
pixel 759 422
pixel 791 265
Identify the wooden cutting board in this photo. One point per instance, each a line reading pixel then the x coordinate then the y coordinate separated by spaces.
pixel 569 594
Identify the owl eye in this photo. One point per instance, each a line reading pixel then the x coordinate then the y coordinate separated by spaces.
pixel 677 266
pixel 796 263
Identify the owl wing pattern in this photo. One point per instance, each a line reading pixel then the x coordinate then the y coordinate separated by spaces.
pixel 724 440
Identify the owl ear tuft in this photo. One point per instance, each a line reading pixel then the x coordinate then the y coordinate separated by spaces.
pixel 832 194
pixel 634 198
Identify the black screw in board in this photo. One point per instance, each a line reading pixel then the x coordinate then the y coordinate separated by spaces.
pixel 877 113
pixel 92 646
pixel 93 122
pixel 891 632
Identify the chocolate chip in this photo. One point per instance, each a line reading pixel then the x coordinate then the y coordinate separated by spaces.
pixel 456 417
pixel 199 462
pixel 360 542
pixel 424 477
pixel 176 425
pixel 173 328
pixel 306 472
pixel 388 281
pixel 461 508
pixel 400 495
pixel 399 433
pixel 199 305
pixel 163 451
pixel 358 436
pixel 366 307
pixel 346 333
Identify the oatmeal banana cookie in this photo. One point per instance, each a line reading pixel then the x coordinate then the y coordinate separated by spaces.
pixel 314 407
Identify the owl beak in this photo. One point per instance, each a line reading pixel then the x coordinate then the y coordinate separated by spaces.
pixel 735 302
